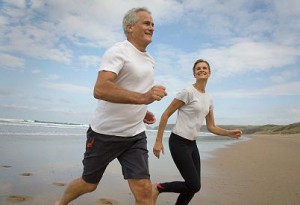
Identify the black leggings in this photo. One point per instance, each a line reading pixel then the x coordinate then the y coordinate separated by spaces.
pixel 186 156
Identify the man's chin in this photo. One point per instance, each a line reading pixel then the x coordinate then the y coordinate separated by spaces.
pixel 149 41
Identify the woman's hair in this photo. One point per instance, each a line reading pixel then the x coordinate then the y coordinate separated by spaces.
pixel 131 18
pixel 201 61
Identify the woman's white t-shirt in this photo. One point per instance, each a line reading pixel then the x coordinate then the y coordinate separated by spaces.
pixel 191 115
pixel 134 71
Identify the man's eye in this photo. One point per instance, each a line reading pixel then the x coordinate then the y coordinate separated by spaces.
pixel 149 23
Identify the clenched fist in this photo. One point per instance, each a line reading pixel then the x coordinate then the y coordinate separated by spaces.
pixel 156 93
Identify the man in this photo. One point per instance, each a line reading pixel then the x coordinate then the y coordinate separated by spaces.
pixel 124 88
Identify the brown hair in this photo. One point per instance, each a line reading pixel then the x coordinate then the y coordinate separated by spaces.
pixel 201 61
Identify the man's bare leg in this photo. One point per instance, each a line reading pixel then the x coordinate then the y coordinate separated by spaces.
pixel 155 193
pixel 141 189
pixel 75 189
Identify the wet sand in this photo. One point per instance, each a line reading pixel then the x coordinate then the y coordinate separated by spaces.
pixel 263 170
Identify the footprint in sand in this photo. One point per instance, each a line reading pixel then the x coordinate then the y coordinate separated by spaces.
pixel 26 174
pixel 6 166
pixel 58 184
pixel 18 198
pixel 107 202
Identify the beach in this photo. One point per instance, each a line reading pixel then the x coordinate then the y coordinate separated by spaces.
pixel 36 166
pixel 264 170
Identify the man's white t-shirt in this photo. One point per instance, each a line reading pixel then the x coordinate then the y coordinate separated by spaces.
pixel 191 115
pixel 134 71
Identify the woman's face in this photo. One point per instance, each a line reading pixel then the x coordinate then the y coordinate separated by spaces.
pixel 201 71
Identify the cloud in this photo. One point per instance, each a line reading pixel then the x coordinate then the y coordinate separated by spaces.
pixel 66 87
pixel 90 61
pixel 284 76
pixel 52 110
pixel 290 8
pixel 167 11
pixel 284 89
pixel 51 77
pixel 227 61
pixel 36 42
pixel 262 20
pixel 36 71
pixel 46 27
pixel 98 24
pixel 11 62
pixel 5 93
pixel 22 107
pixel 294 111
pixel 249 56
pixel 290 88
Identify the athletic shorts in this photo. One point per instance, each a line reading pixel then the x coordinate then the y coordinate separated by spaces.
pixel 101 149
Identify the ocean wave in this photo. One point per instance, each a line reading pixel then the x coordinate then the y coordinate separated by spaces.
pixel 38 134
pixel 22 122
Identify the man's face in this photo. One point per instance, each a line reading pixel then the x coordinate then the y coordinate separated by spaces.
pixel 143 30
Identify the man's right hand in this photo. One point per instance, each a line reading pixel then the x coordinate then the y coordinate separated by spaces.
pixel 156 93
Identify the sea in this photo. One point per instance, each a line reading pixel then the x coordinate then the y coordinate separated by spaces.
pixel 20 134
pixel 51 153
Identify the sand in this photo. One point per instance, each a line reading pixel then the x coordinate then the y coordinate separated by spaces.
pixel 264 170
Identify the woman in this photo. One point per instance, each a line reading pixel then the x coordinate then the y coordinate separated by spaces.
pixel 193 105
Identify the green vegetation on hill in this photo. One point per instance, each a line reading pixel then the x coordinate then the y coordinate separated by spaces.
pixel 268 129
pixel 257 129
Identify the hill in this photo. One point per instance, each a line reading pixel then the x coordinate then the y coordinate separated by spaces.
pixel 257 129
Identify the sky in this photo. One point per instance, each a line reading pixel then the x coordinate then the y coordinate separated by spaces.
pixel 51 50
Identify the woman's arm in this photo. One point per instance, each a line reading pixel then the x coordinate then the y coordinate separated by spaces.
pixel 158 146
pixel 210 123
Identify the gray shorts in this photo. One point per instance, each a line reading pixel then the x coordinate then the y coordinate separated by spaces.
pixel 101 149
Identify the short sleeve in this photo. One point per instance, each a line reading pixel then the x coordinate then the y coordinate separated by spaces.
pixel 112 60
pixel 183 95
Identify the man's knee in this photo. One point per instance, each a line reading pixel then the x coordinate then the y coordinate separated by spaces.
pixel 142 189
pixel 145 188
pixel 144 195
pixel 148 187
pixel 90 187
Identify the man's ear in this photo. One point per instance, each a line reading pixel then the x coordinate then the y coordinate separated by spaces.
pixel 129 28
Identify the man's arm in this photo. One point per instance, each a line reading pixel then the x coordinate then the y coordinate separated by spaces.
pixel 106 89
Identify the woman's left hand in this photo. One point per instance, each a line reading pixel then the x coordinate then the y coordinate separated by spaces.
pixel 235 133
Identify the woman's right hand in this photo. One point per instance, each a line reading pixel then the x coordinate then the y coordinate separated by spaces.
pixel 157 148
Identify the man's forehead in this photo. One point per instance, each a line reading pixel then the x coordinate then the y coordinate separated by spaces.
pixel 144 16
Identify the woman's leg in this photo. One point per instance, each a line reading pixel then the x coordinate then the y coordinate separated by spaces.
pixel 187 159
pixel 185 198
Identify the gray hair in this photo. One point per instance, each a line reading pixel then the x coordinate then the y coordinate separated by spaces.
pixel 131 18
